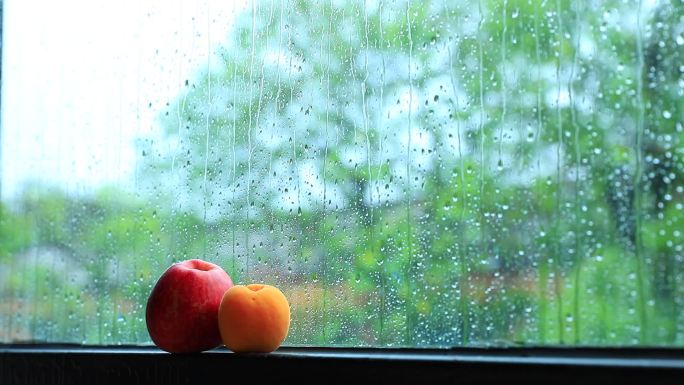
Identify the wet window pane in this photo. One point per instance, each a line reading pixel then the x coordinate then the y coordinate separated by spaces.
pixel 445 173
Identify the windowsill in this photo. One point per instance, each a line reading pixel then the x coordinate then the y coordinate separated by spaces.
pixel 142 364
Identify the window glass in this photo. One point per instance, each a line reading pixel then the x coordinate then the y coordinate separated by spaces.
pixel 410 173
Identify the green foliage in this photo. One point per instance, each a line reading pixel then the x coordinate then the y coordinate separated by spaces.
pixel 539 136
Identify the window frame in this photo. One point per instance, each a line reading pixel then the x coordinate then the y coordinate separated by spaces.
pixel 56 363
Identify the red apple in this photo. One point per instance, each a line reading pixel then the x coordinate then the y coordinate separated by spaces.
pixel 182 311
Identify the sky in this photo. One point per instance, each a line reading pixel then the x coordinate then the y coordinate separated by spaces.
pixel 82 79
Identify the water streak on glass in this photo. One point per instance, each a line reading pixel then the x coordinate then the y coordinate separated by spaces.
pixel 434 174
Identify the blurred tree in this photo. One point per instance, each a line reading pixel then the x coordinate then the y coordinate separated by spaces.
pixel 415 173
pixel 447 152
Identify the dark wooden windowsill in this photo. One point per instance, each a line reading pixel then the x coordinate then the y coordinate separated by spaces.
pixel 47 364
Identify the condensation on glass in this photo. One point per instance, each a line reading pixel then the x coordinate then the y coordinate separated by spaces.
pixel 446 173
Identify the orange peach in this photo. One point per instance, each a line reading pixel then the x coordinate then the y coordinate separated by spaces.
pixel 253 318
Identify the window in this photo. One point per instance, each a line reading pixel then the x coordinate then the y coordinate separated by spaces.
pixel 412 174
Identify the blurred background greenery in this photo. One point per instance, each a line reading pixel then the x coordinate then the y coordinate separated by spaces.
pixel 445 173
